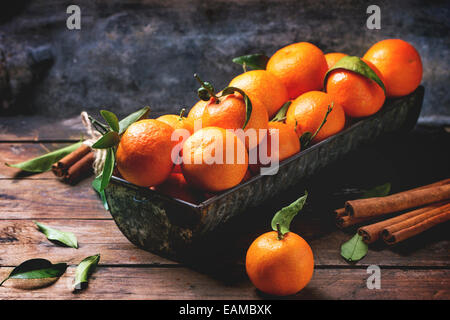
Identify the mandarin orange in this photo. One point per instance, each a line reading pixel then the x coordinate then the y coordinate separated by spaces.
pixel 333 57
pixel 262 85
pixel 300 66
pixel 279 267
pixel 143 156
pixel 399 63
pixel 178 122
pixel 229 112
pixel 196 111
pixel 307 112
pixel 288 144
pixel 214 159
pixel 358 95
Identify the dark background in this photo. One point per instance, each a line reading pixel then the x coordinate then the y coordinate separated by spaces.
pixel 134 53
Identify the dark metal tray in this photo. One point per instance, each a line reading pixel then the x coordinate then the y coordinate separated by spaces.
pixel 170 227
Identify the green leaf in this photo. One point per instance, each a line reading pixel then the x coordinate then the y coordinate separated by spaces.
pixel 255 61
pixel 132 118
pixel 96 184
pixel 248 103
pixel 281 114
pixel 111 119
pixel 355 249
pixel 108 140
pixel 37 269
pixel 66 238
pixel 44 163
pixel 107 169
pixel 286 214
pixel 378 191
pixel 356 65
pixel 84 270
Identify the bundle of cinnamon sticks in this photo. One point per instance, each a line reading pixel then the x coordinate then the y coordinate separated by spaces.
pixel 431 204
pixel 75 166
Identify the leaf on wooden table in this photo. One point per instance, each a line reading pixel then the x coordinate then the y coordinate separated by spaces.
pixel 44 163
pixel 130 119
pixel 284 217
pixel 37 269
pixel 84 270
pixel 378 191
pixel 355 249
pixel 62 237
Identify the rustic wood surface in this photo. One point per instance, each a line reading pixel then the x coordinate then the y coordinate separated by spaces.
pixel 415 269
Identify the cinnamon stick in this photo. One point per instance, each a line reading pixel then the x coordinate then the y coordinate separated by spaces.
pixel 80 169
pixel 373 207
pixel 61 167
pixel 341 212
pixel 415 225
pixel 347 221
pixel 372 232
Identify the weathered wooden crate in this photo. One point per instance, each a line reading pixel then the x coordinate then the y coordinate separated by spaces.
pixel 171 227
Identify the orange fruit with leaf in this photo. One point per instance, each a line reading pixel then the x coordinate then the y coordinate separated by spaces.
pixel 317 115
pixel 301 67
pixel 356 85
pixel 143 156
pixel 280 262
pixel 333 57
pixel 263 86
pixel 233 109
pixel 214 159
pixel 399 63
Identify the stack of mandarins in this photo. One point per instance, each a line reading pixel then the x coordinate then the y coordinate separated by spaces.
pixel 188 157
pixel 300 97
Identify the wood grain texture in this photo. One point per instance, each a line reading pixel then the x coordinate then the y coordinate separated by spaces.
pixel 184 283
pixel 415 269
pixel 20 240
pixel 49 199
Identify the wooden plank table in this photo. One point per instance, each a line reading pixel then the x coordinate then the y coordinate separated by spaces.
pixel 415 269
